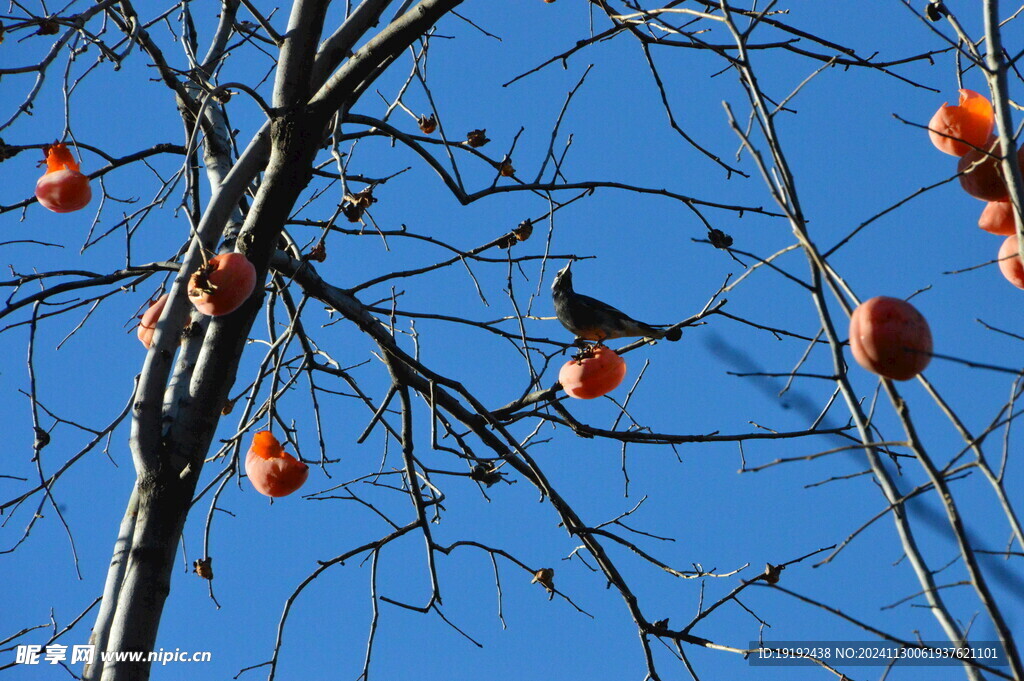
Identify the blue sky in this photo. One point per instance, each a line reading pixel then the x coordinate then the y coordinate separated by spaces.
pixel 852 160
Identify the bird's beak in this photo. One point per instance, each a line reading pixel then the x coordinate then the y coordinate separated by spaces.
pixel 560 276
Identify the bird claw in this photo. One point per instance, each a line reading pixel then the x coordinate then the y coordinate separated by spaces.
pixel 584 343
pixel 586 351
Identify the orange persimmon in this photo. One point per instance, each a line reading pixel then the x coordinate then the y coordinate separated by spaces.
pixel 63 188
pixel 1009 262
pixel 889 337
pixel 982 175
pixel 147 325
pixel 221 286
pixel 997 218
pixel 271 470
pixel 967 124
pixel 594 372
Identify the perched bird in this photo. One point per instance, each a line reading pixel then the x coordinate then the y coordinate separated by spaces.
pixel 592 320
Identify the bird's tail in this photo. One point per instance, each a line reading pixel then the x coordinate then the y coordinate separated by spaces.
pixel 673 333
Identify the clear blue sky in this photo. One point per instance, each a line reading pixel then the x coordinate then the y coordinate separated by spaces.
pixel 852 160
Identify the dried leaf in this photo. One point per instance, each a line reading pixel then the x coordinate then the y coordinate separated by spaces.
pixel 363 199
pixel 546 578
pixel 354 205
pixel 935 10
pixel 477 138
pixel 719 239
pixel 204 568
pixel 319 252
pixel 428 124
pixel 520 233
pixel 524 230
pixel 485 473
pixel 773 572
pixel 48 27
pixel 42 438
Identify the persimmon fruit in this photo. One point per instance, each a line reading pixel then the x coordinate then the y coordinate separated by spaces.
pixel 982 173
pixel 1009 262
pixel 62 188
pixel 271 470
pixel 594 372
pixel 997 218
pixel 221 285
pixel 889 337
pixel 147 325
pixel 967 124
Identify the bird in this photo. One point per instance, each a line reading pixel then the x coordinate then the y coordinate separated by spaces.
pixel 592 320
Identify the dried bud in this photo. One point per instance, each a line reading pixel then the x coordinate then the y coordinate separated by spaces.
pixel 719 239
pixel 505 168
pixel 477 138
pixel 319 252
pixel 772 573
pixel 661 624
pixel 229 406
pixel 204 568
pixel 546 578
pixel 428 124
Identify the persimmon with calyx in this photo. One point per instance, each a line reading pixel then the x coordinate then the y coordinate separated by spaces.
pixel 889 337
pixel 1009 262
pixel 982 172
pixel 221 285
pixel 62 188
pixel 147 325
pixel 271 470
pixel 955 130
pixel 997 218
pixel 596 371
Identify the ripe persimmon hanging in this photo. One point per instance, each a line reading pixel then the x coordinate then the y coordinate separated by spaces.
pixel 955 129
pixel 594 372
pixel 221 286
pixel 889 337
pixel 63 188
pixel 271 470
pixel 147 325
